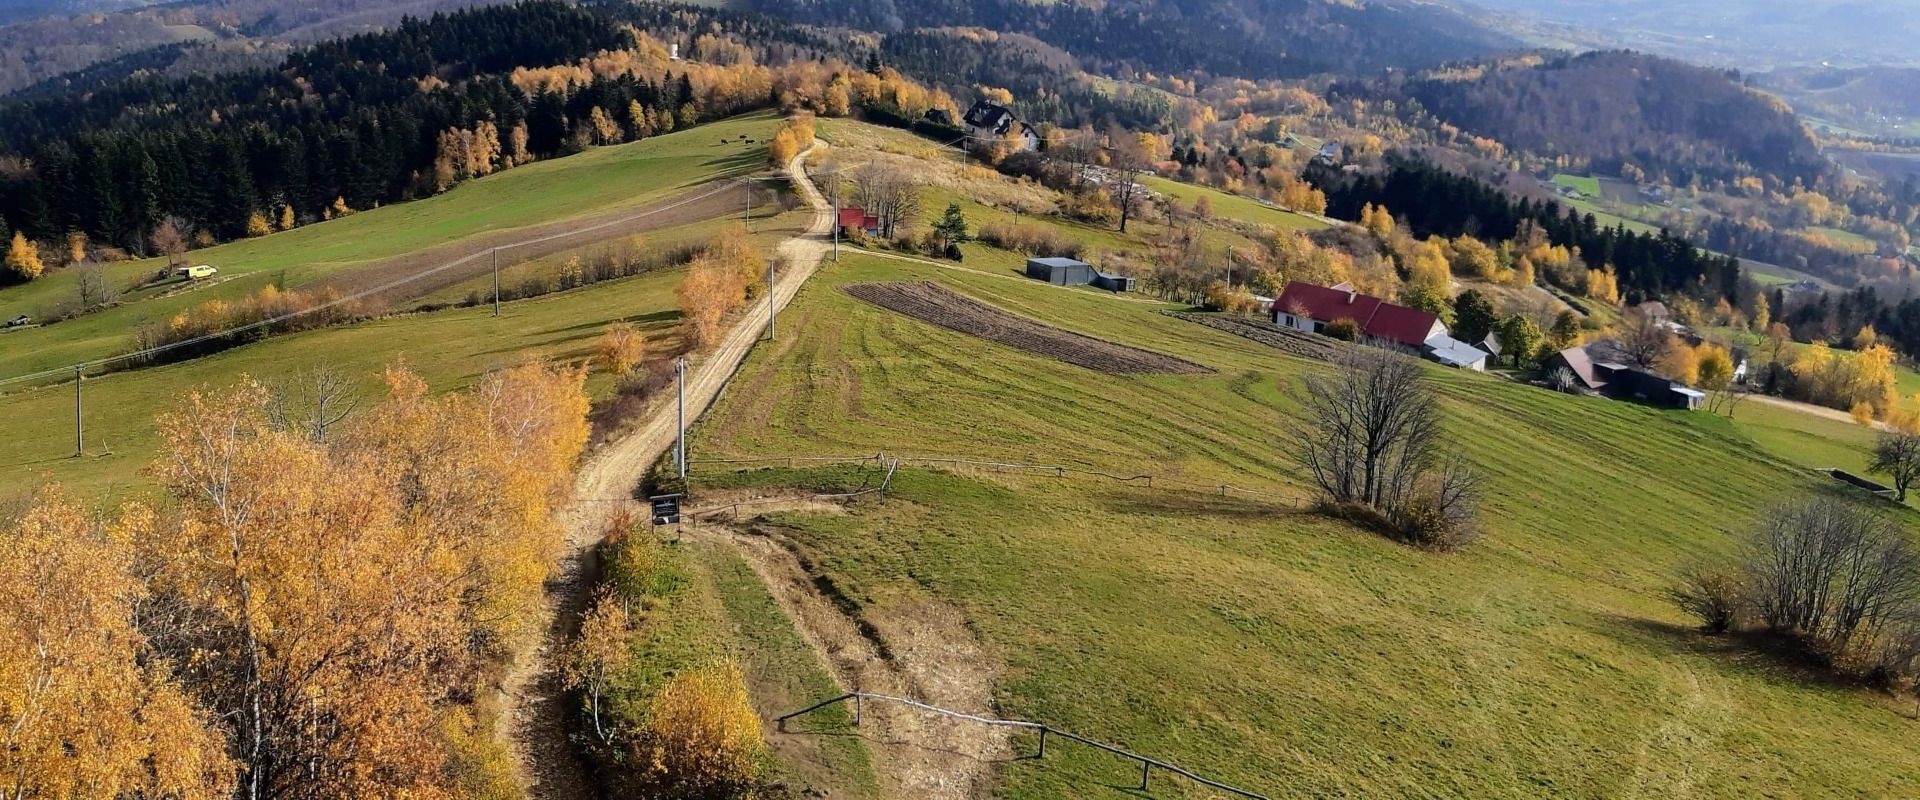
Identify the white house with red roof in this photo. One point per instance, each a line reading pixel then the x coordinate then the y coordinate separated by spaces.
pixel 1307 307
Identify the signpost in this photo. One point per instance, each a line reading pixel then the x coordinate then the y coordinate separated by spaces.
pixel 666 509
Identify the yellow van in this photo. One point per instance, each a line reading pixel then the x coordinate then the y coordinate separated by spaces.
pixel 195 272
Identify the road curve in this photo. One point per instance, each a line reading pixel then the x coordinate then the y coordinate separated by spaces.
pixel 535 723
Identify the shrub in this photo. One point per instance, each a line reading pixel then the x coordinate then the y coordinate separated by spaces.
pixel 702 738
pixel 1031 240
pixel 1345 330
pixel 630 398
pixel 1712 594
pixel 1439 513
pixel 621 348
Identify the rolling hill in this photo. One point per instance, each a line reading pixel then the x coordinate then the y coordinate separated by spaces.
pixel 1251 38
pixel 1665 117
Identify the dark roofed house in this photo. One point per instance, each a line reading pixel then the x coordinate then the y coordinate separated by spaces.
pixel 992 121
pixel 1602 367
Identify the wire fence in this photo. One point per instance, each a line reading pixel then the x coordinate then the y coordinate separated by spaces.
pixel 1147 763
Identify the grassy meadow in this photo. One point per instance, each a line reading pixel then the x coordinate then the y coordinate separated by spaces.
pixel 593 182
pixel 1276 649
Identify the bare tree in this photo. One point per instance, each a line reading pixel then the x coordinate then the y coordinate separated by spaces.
pixel 1128 159
pixel 1644 339
pixel 1369 433
pixel 91 286
pixel 1830 571
pixel 889 193
pixel 1897 453
pixel 1368 428
pixel 170 237
pixel 311 402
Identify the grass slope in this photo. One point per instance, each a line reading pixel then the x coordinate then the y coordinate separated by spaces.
pixel 595 181
pixel 450 349
pixel 1273 648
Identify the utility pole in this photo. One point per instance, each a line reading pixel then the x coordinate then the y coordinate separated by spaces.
pixel 746 209
pixel 496 281
pixel 836 228
pixel 1229 266
pixel 680 441
pixel 770 311
pixel 79 435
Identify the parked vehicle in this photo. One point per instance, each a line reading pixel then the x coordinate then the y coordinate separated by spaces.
pixel 195 272
pixel 19 321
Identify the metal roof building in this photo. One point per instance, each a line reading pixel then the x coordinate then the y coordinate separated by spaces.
pixel 1060 271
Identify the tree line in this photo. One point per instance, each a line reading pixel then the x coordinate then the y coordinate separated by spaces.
pixel 1436 202
pixel 391 116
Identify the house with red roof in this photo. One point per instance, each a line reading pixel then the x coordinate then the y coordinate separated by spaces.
pixel 1308 307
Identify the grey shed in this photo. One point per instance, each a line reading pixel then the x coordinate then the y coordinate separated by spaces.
pixel 1060 271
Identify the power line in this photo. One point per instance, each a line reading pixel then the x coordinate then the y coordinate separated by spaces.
pixel 138 354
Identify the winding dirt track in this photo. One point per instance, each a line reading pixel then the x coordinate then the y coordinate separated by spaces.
pixel 536 719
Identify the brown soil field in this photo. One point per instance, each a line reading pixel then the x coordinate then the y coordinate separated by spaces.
pixel 1299 343
pixel 929 302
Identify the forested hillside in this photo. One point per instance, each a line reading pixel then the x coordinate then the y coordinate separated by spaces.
pixel 55 39
pixel 1627 114
pixel 142 162
pixel 1249 38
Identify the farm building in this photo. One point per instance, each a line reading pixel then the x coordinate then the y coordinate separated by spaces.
pixel 1060 271
pixel 1112 282
pixel 1455 353
pixel 1601 368
pixel 1310 308
pixel 853 218
pixel 1304 306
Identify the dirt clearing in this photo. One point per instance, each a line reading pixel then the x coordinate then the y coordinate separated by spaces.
pixel 922 650
pixel 932 303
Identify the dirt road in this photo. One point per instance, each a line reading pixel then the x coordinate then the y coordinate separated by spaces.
pixel 535 724
pixel 1808 408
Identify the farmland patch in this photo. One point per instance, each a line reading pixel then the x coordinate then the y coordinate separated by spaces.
pixel 929 302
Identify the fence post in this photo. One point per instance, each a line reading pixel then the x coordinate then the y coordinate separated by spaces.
pixel 1043 744
pixel 1145 767
pixel 856 709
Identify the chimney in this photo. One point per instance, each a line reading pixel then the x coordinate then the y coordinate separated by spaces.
pixel 1351 294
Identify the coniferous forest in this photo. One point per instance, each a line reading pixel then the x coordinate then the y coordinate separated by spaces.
pixel 339 126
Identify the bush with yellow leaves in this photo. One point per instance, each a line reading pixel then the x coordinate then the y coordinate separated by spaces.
pixel 702 737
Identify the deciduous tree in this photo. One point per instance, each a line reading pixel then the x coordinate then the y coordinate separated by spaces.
pixel 23 259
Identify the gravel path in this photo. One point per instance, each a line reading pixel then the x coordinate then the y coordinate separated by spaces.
pixel 535 726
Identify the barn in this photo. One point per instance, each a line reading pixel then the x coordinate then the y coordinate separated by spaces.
pixel 1112 282
pixel 1060 271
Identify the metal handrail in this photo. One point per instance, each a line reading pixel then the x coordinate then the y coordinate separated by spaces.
pixel 1147 764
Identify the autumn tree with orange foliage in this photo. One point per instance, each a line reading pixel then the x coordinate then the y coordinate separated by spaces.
pixel 336 596
pixel 794 136
pixel 87 707
pixel 717 283
pixel 621 348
